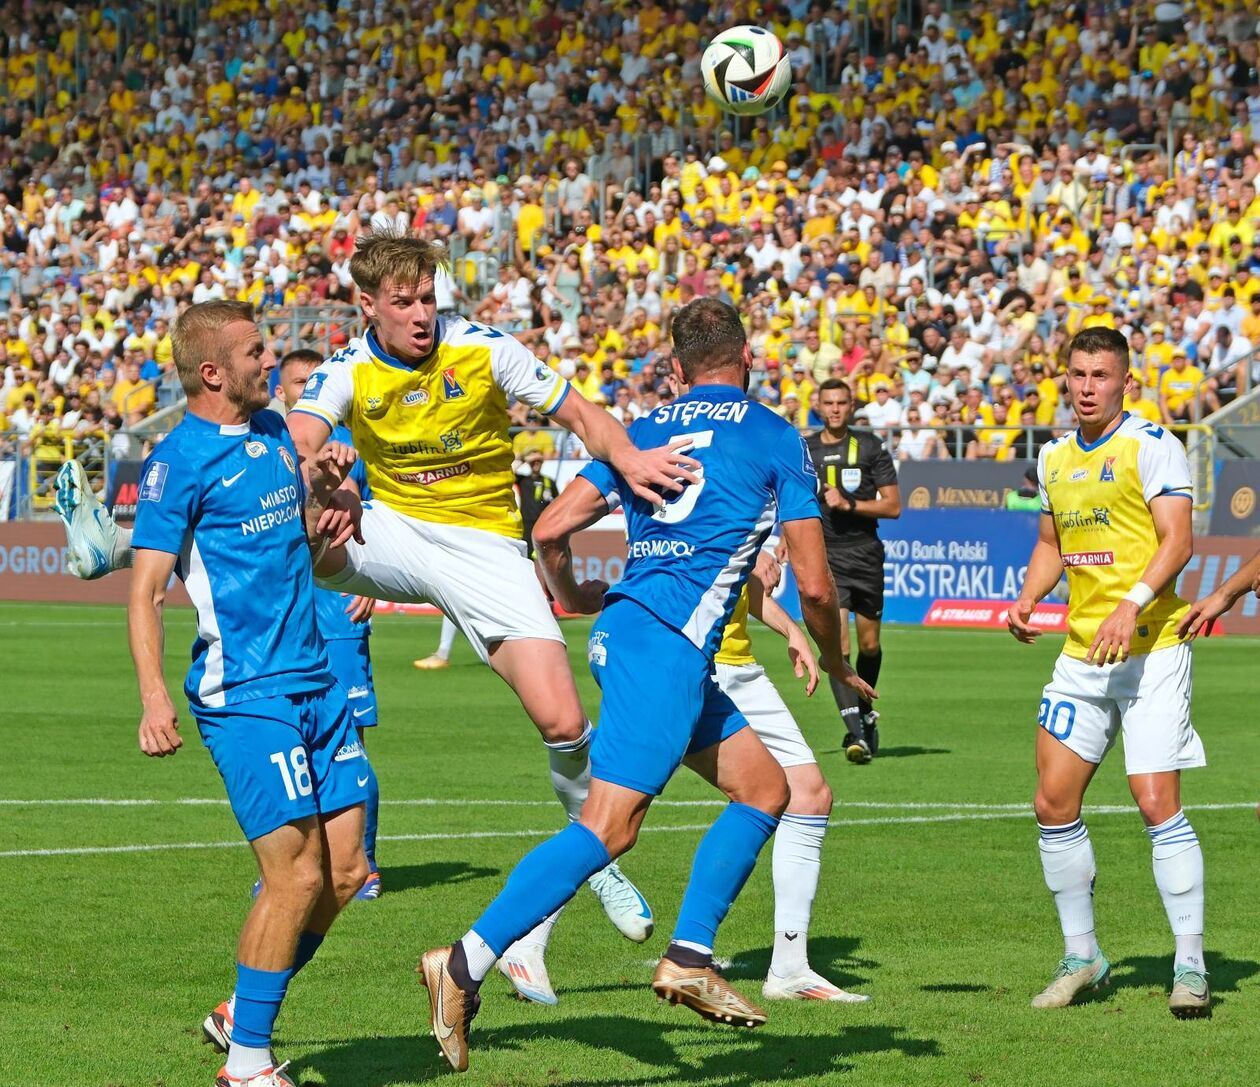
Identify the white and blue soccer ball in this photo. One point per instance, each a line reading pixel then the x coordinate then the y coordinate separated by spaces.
pixel 746 70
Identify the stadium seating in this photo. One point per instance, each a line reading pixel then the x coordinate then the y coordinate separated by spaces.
pixel 936 208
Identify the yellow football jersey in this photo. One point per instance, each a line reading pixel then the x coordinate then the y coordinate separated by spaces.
pixel 736 647
pixel 1099 495
pixel 434 437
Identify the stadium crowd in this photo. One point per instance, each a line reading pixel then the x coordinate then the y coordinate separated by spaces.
pixel 935 209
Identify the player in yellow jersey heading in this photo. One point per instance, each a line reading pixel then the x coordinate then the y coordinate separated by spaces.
pixel 426 399
pixel 1116 502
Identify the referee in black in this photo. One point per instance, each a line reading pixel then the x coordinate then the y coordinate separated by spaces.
pixel 857 485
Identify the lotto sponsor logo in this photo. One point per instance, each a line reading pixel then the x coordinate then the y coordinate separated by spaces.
pixel 661 549
pixel 416 396
pixel 1088 558
pixel 991 614
pixel 433 475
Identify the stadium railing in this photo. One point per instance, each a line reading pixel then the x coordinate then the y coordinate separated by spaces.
pixel 1249 363
pixel 27 472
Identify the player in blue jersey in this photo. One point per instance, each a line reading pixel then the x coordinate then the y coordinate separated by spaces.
pixel 344 621
pixel 97 545
pixel 652 654
pixel 221 505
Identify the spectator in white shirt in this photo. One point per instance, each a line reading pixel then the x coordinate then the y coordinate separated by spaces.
pixel 917 442
pixel 883 412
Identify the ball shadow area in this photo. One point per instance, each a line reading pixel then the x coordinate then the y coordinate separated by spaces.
pixel 669 1051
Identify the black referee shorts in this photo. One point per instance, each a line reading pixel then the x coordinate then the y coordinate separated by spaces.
pixel 859 583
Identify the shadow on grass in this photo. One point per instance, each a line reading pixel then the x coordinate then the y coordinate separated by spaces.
pixel 832 956
pixel 409 877
pixel 954 987
pixel 908 752
pixel 1155 972
pixel 672 1052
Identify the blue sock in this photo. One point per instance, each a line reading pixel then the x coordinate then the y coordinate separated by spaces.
pixel 724 861
pixel 308 943
pixel 369 822
pixel 544 880
pixel 259 994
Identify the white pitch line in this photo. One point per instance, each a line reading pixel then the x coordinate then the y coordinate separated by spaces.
pixel 908 820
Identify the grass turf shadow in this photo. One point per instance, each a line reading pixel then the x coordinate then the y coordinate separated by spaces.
pixel 396 878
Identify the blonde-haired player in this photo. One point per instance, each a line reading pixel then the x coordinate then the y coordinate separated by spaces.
pixel 426 399
pixel 1116 501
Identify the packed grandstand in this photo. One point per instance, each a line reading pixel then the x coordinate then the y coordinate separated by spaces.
pixel 947 195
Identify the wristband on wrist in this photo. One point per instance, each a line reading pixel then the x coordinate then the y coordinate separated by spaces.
pixel 1141 594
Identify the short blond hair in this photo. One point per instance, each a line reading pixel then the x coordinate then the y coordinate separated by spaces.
pixel 399 258
pixel 197 336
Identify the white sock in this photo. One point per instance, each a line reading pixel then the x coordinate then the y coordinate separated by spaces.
pixel 1067 861
pixel 480 958
pixel 244 1061
pixel 232 1007
pixel 1177 860
pixel 446 639
pixel 703 949
pixel 796 861
pixel 123 553
pixel 571 771
pixel 540 934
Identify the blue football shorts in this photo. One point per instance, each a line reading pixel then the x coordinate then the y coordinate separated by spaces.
pixel 286 758
pixel 351 662
pixel 659 700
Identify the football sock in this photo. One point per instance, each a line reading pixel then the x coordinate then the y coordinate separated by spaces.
pixel 868 669
pixel 1178 863
pixel 847 703
pixel 122 553
pixel 471 961
pixel 540 934
pixel 796 860
pixel 447 638
pixel 544 880
pixel 571 771
pixel 1067 861
pixel 259 994
pixel 724 860
pixel 370 817
pixel 685 953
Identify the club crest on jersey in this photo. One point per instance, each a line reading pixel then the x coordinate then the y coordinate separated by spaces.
pixel 287 457
pixel 1108 474
pixel 416 396
pixel 451 388
pixel 596 650
pixel 255 449
pixel 154 482
pixel 850 478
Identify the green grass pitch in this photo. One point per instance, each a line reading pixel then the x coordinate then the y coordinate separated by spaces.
pixel 931 897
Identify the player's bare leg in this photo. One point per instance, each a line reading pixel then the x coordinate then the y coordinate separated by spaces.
pixel 1177 860
pixel 1067 861
pixel 797 853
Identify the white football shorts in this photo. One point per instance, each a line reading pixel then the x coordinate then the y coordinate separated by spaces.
pixel 748 686
pixel 1147 697
pixel 483 582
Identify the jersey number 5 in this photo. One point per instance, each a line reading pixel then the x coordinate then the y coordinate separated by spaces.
pixel 679 509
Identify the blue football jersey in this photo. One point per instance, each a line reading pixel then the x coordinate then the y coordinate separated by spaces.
pixel 227 500
pixel 688 560
pixel 330 605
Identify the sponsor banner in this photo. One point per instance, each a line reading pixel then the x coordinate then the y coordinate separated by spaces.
pixel 953 484
pixel 124 489
pixel 991 614
pixel 1236 510
pixel 33 567
pixel 1216 559
pixel 970 555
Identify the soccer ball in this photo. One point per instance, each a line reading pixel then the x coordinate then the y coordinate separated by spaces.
pixel 746 70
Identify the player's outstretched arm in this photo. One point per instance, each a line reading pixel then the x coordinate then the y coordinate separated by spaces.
pixel 1206 610
pixel 159 725
pixel 650 473
pixel 761 605
pixel 341 513
pixel 1045 567
pixel 329 488
pixel 819 603
pixel 1171 514
pixel 579 506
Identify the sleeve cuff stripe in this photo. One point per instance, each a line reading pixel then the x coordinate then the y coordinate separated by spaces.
pixel 319 413
pixel 557 398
